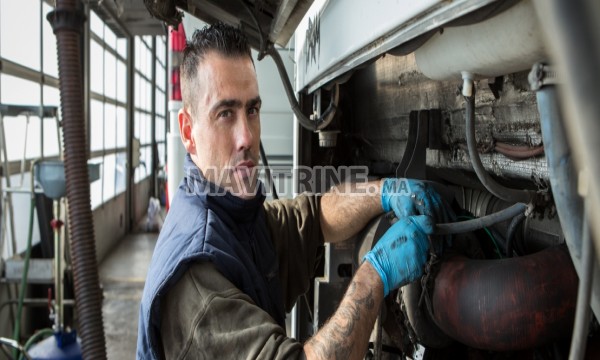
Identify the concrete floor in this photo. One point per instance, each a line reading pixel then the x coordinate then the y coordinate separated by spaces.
pixel 122 275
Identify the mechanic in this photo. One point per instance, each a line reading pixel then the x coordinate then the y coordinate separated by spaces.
pixel 228 265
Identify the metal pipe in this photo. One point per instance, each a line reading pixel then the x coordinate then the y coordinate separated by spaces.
pixel 582 313
pixel 571 28
pixel 561 168
pixel 67 20
pixel 507 304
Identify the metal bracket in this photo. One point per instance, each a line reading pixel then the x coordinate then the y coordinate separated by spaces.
pixel 542 75
pixel 413 160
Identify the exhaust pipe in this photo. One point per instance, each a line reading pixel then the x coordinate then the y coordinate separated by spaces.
pixel 508 304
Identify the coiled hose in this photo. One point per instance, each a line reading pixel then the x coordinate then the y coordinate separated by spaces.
pixel 67 20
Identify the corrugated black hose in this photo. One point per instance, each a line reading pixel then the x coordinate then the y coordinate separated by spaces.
pixel 67 20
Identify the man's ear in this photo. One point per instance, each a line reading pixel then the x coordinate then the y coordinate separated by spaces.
pixel 185 130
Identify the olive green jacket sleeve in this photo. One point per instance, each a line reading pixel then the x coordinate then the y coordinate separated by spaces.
pixel 204 316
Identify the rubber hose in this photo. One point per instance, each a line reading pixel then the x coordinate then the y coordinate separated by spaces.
pixel 328 114
pixel 511 232
pixel 480 223
pixel 504 193
pixel 81 227
pixel 508 304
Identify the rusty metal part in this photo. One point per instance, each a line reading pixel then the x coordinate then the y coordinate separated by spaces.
pixel 518 152
pixel 507 304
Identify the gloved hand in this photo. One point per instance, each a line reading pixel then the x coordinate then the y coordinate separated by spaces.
pixel 411 197
pixel 400 254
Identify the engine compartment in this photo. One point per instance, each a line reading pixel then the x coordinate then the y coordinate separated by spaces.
pixel 507 290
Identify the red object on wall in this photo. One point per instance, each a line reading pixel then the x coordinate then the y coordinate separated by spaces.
pixel 177 43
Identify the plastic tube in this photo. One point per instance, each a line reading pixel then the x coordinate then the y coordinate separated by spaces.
pixel 484 221
pixel 504 193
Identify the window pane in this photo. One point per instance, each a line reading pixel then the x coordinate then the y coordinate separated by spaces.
pixel 136 89
pixel 96 186
pixel 96 24
pixel 109 177
pixel 137 51
pixel 19 43
pixel 121 127
pixel 136 125
pixel 145 129
pixel 96 62
pixel 110 73
pixel 49 44
pixel 160 129
pixel 51 137
pixel 17 131
pixel 18 91
pixel 160 103
pixel 120 172
pixel 110 38
pixel 51 96
pixel 96 125
pixel 161 154
pixel 52 140
pixel 121 81
pixel 148 96
pixel 122 47
pixel 110 119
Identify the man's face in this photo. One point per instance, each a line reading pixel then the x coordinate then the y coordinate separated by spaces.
pixel 221 127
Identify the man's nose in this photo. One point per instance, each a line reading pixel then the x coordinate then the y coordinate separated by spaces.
pixel 243 134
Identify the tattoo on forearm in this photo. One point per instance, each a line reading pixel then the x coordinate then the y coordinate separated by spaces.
pixel 336 337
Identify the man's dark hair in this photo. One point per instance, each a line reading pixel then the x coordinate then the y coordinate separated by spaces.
pixel 219 37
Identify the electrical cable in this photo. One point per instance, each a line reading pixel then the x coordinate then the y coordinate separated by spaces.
pixel 511 232
pixel 487 232
pixel 474 224
pixel 504 193
pixel 270 181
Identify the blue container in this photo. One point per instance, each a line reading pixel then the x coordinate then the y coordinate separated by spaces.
pixel 48 349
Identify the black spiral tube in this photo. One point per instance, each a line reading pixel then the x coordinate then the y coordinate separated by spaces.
pixel 66 21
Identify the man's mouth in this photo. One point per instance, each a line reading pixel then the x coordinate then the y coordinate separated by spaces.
pixel 245 168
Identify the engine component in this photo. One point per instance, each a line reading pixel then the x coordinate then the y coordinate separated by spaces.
pixel 506 43
pixel 507 304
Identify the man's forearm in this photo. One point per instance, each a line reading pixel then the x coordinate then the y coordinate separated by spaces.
pixel 346 333
pixel 348 208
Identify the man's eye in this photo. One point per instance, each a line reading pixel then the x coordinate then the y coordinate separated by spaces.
pixel 253 110
pixel 225 113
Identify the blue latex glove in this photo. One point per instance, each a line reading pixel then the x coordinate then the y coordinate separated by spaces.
pixel 400 254
pixel 412 197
